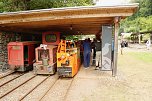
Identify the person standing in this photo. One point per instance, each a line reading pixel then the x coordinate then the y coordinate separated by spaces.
pixel 122 46
pixel 98 55
pixel 148 44
pixel 86 53
pixel 93 46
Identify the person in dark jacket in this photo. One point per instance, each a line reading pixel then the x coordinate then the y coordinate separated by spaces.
pixel 122 44
pixel 93 46
pixel 86 53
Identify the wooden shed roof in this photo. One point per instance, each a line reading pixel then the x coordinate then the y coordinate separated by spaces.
pixel 70 20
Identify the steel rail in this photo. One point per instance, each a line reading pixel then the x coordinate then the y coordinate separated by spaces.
pixel 65 96
pixel 17 87
pixel 48 90
pixel 11 80
pixel 34 88
pixel 54 85
pixel 7 74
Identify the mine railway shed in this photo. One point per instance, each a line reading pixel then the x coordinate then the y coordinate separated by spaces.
pixel 70 20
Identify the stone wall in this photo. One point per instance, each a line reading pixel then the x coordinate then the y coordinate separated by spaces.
pixel 5 38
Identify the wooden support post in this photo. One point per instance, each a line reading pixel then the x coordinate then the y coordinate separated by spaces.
pixel 151 37
pixel 116 30
pixel 139 37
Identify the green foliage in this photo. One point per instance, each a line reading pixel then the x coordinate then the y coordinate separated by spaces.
pixel 141 21
pixel 140 24
pixel 145 8
pixel 74 37
pixel 19 5
pixel 146 37
pixel 13 5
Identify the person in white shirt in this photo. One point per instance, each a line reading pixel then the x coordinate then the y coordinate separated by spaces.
pixel 148 44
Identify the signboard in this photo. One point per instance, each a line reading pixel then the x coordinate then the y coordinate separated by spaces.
pixel 106 47
pixel 16 47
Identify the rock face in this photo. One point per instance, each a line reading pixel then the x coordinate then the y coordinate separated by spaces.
pixel 5 38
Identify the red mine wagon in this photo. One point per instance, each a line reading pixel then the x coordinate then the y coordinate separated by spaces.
pixel 21 55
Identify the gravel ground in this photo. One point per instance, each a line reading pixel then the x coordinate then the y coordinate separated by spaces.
pixel 5 73
pixel 58 91
pixel 24 89
pixel 37 94
pixel 14 83
pixel 9 77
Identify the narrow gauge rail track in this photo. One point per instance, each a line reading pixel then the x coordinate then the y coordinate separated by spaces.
pixel 41 90
pixel 37 85
pixel 65 96
pixel 48 90
pixel 34 88
pixel 7 74
pixel 53 86
pixel 5 94
pixel 11 79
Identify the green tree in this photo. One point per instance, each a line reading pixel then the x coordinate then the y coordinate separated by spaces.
pixel 13 5
pixel 20 5
pixel 141 20
pixel 145 8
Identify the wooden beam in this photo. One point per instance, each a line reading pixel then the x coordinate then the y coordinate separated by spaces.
pixel 116 30
pixel 62 22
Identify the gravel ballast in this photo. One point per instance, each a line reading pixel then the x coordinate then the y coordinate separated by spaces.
pixel 38 93
pixel 22 90
pixel 7 87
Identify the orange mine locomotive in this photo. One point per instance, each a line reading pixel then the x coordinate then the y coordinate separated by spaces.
pixel 46 54
pixel 68 59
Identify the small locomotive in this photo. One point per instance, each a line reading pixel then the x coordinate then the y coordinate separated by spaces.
pixel 46 54
pixel 68 59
